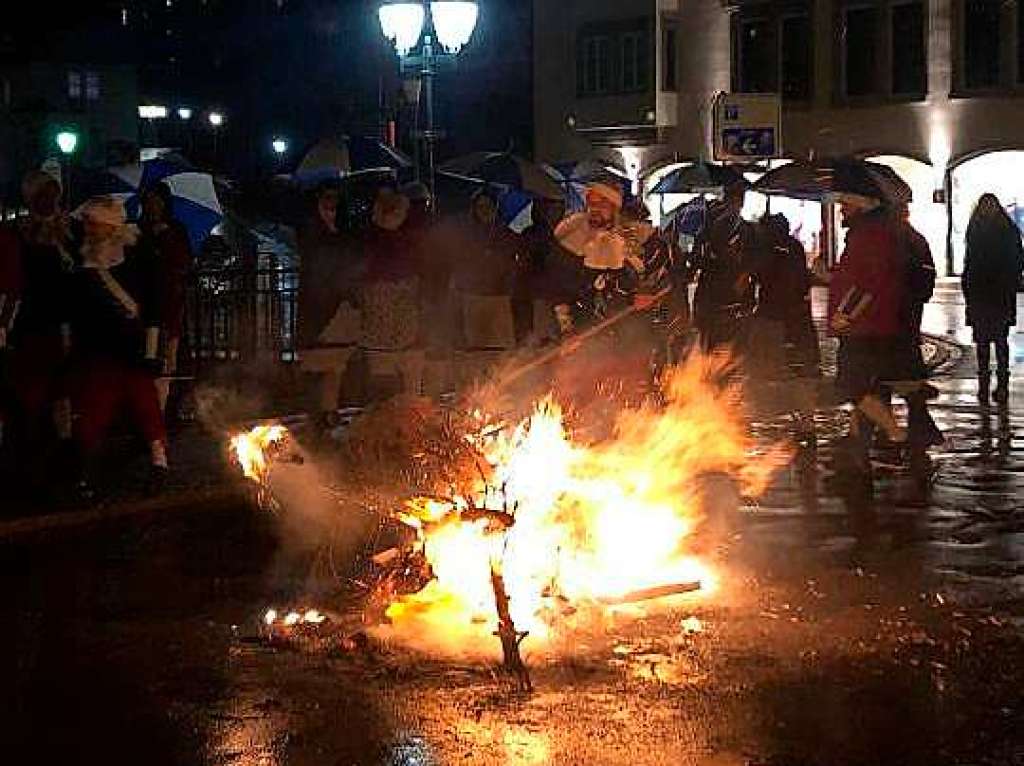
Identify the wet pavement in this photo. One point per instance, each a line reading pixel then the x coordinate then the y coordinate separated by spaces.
pixel 845 632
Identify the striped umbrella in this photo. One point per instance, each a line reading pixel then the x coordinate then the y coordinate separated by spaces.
pixel 194 198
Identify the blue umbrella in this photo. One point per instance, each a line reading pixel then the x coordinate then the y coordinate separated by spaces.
pixel 574 177
pixel 194 199
pixel 516 210
pixel 688 218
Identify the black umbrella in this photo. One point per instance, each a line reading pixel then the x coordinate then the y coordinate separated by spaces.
pixel 698 178
pixel 819 180
pixel 503 169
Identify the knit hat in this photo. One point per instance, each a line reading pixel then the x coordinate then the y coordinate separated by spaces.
pixel 35 181
pixel 606 192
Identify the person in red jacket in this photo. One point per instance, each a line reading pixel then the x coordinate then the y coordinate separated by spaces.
pixel 116 332
pixel 866 311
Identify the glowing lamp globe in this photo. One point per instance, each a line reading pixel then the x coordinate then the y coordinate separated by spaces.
pixel 454 22
pixel 216 119
pixel 402 24
pixel 185 113
pixel 67 141
pixel 279 145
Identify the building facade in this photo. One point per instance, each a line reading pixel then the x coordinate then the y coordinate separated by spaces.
pixel 97 102
pixel 933 87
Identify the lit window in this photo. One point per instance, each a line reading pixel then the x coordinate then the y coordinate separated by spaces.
pixel 124 17
pixel 74 84
pixel 92 86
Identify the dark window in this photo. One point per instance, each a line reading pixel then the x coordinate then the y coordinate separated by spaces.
pixel 758 56
pixel 981 43
pixel 635 61
pixel 74 85
pixel 614 58
pixel 668 64
pixel 909 75
pixel 92 86
pixel 861 30
pixel 593 67
pixel 796 58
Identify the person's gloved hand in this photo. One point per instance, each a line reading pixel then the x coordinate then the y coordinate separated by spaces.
pixel 841 323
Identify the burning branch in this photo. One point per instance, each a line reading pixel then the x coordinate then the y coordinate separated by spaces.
pixel 510 637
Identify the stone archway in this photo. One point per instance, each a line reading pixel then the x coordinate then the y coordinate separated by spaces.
pixel 999 172
pixel 927 216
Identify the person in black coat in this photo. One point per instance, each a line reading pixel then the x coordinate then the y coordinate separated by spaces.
pixel 36 258
pixel 727 256
pixel 115 330
pixel 992 274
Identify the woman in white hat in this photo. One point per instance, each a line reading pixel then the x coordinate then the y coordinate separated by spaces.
pixel 116 333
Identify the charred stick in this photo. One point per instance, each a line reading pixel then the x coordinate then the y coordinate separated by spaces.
pixel 573 343
pixel 510 637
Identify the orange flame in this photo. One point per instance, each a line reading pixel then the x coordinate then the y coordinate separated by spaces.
pixel 250 450
pixel 593 522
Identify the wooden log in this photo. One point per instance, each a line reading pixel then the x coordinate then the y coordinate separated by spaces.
pixel 572 344
pixel 649 594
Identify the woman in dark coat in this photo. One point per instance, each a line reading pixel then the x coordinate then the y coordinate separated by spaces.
pixel 992 273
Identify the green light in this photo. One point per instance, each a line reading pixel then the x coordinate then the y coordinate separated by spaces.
pixel 67 141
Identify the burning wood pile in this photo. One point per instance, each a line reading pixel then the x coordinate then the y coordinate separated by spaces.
pixel 524 531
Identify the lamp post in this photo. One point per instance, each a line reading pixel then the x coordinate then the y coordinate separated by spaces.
pixel 280 146
pixel 216 119
pixel 405 23
pixel 67 142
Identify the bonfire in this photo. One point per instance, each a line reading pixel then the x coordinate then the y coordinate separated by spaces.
pixel 528 531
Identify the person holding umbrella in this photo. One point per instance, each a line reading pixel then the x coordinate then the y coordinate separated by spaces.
pixel 167 240
pixel 865 311
pixel 727 253
pixel 990 280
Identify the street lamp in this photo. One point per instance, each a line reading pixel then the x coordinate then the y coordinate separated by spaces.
pixel 279 145
pixel 404 24
pixel 67 142
pixel 216 119
pixel 184 113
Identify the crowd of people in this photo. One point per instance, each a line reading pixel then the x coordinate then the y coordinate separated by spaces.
pixel 91 314
pixel 412 290
pixel 92 307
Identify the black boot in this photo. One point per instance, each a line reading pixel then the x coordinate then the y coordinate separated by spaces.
pixel 1002 393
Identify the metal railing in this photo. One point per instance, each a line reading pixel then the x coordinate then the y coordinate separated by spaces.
pixel 241 312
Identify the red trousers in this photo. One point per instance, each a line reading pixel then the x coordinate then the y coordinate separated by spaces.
pixel 101 389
